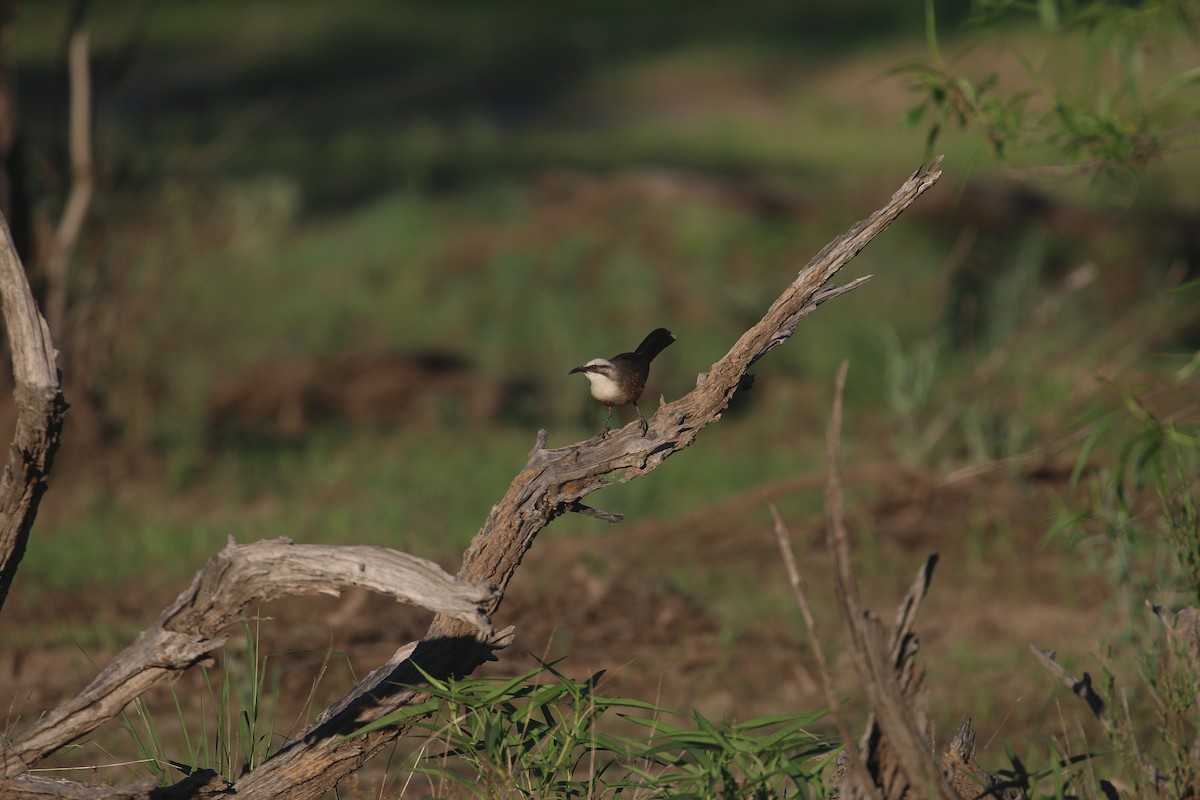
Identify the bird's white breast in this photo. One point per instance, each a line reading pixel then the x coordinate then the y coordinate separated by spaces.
pixel 604 388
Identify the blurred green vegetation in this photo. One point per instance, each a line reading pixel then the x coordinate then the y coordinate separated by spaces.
pixel 288 182
pixel 528 185
pixel 358 98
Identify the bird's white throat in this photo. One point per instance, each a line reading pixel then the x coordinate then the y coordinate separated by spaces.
pixel 603 387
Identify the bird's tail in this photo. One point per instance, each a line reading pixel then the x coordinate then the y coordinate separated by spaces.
pixel 658 340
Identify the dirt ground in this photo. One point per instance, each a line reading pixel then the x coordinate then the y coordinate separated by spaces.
pixel 688 613
pixel 692 613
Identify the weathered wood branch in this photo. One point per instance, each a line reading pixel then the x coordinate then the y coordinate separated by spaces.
pixel 964 773
pixel 1082 687
pixel 552 483
pixel 238 577
pixel 894 758
pixel 40 787
pixel 553 480
pixel 896 745
pixel 40 411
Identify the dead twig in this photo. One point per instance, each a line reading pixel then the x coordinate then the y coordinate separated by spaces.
pixel 895 747
pixel 800 590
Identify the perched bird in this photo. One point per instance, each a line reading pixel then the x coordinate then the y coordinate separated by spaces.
pixel 619 381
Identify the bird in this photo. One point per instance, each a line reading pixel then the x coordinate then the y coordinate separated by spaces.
pixel 619 381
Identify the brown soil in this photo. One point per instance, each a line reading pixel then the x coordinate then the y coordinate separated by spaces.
pixel 692 613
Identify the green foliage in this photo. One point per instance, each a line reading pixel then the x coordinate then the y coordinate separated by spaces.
pixel 240 711
pixel 769 757
pixel 520 737
pixel 1168 670
pixel 1141 519
pixel 1130 105
pixel 1141 464
pixel 909 377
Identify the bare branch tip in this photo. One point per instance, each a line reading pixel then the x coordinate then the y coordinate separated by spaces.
pixel 1045 655
pixel 931 168
pixel 588 511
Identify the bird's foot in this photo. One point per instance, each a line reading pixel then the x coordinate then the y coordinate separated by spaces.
pixel 645 426
pixel 604 432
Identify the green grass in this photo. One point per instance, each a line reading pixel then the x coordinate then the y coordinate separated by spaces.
pixel 426 492
pixel 536 302
pixel 552 736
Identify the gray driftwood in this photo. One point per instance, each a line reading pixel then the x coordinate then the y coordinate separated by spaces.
pixel 553 482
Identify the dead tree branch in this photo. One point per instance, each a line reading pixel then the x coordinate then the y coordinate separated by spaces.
pixel 553 480
pixel 235 578
pixel 1083 689
pixel 549 485
pixel 800 590
pixel 894 759
pixel 40 411
pixel 552 483
pixel 895 747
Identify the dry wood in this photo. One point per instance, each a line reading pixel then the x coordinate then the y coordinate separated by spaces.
pixel 1080 687
pixel 963 770
pixel 37 787
pixel 14 192
pixel 550 484
pixel 898 762
pixel 40 410
pixel 235 578
pixel 895 747
pixel 800 590
pixel 553 482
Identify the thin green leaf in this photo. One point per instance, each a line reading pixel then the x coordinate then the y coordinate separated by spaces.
pixel 1089 444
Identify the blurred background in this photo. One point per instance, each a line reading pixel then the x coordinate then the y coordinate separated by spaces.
pixel 335 260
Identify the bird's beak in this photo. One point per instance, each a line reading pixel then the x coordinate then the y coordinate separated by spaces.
pixel 577 369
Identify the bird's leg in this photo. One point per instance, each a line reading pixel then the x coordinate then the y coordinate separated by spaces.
pixel 645 425
pixel 604 431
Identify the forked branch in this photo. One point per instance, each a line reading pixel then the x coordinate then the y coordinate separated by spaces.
pixel 553 482
pixel 234 579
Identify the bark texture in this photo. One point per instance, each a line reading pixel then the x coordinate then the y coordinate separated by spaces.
pixel 240 576
pixel 40 411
